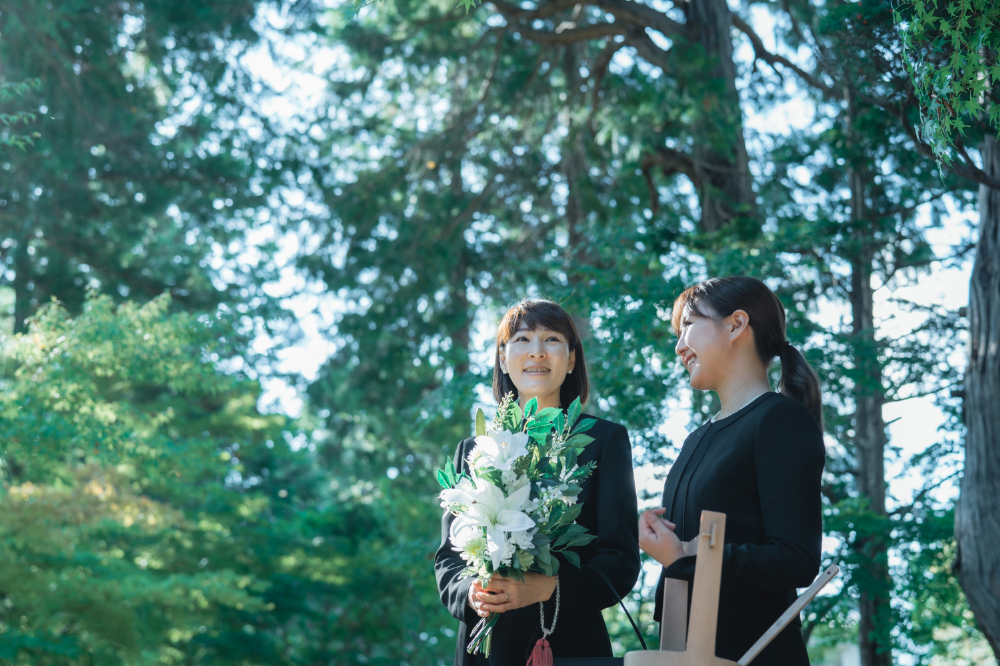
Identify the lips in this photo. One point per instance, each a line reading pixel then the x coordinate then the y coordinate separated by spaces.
pixel 689 362
pixel 536 370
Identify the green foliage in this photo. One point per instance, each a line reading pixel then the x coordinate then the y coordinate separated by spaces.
pixel 121 486
pixel 951 54
pixel 8 135
pixel 137 174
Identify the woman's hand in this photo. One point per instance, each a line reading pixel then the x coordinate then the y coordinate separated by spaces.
pixel 657 538
pixel 474 603
pixel 506 594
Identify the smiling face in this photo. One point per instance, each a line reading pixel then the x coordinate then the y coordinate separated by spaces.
pixel 705 347
pixel 537 363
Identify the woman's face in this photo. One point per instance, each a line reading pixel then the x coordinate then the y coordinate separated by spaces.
pixel 704 346
pixel 537 362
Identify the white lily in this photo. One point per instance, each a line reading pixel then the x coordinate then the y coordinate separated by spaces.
pixel 498 514
pixel 499 451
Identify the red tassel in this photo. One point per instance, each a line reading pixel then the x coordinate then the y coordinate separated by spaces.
pixel 541 654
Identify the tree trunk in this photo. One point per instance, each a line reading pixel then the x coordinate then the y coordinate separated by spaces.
pixel 869 444
pixel 720 153
pixel 22 278
pixel 977 518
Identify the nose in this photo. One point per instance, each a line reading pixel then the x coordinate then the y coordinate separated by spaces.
pixel 536 349
pixel 681 346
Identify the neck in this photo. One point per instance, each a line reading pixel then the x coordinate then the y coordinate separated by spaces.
pixel 740 388
pixel 544 401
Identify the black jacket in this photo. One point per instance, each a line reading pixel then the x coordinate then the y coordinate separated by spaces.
pixel 762 467
pixel 610 513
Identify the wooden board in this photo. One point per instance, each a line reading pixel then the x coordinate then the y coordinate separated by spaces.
pixel 681 646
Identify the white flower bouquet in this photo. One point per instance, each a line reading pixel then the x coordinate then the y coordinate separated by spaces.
pixel 517 505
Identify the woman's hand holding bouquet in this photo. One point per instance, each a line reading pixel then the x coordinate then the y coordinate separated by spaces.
pixel 516 506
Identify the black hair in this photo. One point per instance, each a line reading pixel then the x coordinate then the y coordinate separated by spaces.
pixel 724 296
pixel 534 314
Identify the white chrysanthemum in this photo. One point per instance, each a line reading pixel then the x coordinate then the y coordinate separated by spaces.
pixel 507 556
pixel 522 540
pixel 512 481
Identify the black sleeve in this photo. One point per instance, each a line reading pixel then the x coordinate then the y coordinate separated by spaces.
pixel 617 542
pixel 448 565
pixel 788 460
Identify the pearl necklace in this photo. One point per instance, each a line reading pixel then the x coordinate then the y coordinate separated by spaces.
pixel 712 420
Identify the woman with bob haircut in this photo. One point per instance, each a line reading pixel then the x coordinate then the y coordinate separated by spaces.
pixel 539 355
pixel 759 460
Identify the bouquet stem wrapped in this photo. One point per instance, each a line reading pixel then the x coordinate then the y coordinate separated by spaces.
pixel 516 506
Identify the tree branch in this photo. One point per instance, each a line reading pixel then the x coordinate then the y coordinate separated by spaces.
pixel 514 12
pixel 642 16
pixel 761 53
pixel 573 35
pixel 922 494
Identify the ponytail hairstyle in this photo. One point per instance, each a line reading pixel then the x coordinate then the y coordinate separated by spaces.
pixel 724 296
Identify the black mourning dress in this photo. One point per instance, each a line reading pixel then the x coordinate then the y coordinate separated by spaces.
pixel 761 466
pixel 609 512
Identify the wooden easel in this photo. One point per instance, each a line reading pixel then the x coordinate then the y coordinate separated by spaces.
pixel 677 647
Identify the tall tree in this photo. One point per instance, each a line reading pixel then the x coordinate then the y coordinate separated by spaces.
pixel 976 523
pixel 134 180
pixel 951 54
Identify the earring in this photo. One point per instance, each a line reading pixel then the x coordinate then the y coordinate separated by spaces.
pixel 570 372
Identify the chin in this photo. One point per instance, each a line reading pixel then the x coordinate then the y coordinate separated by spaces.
pixel 697 383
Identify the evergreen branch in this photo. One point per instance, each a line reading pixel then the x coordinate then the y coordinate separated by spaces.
pixel 916 264
pixel 653 54
pixel 600 68
pixel 967 170
pixel 922 394
pixel 761 53
pixel 573 35
pixel 513 11
pixel 642 16
pixel 903 510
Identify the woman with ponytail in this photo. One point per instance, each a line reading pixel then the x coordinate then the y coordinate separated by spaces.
pixel 759 460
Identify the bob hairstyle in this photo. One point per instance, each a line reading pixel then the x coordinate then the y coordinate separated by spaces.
pixel 534 314
pixel 723 297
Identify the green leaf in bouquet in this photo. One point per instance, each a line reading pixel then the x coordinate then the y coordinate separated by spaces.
pixel 584 425
pixel 548 564
pixel 579 441
pixel 568 534
pixel 560 423
pixel 546 483
pixel 547 415
pixel 539 436
pixel 531 408
pixel 451 473
pixel 480 423
pixel 494 476
pixel 574 412
pixel 556 514
pixel 516 416
pixel 540 541
pixel 572 558
pixel 570 458
pixel 581 540
pixel 572 491
pixel 443 480
pixel 571 514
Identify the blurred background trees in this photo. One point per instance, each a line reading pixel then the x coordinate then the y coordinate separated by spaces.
pixel 195 182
